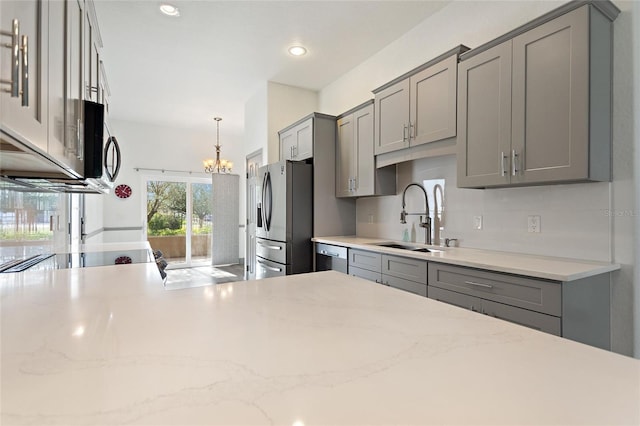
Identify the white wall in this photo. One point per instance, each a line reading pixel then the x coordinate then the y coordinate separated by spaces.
pixel 168 148
pixel 285 105
pixel 585 221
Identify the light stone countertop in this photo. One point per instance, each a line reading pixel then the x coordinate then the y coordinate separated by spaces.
pixel 550 268
pixel 108 346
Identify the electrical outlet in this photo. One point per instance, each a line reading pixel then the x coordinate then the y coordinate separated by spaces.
pixel 370 218
pixel 533 224
pixel 477 222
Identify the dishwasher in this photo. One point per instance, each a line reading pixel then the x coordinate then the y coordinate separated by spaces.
pixel 330 258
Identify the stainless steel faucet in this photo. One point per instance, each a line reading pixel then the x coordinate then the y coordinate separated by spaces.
pixel 427 222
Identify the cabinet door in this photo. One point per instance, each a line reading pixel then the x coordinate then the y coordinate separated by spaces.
pixel 550 138
pixel 365 274
pixel 456 299
pixel 364 259
pixel 484 118
pixel 287 142
pixel 57 84
pixel 74 137
pixel 404 267
pixel 364 164
pixel 406 285
pixel 392 116
pixel 25 116
pixel 303 147
pixel 345 156
pixel 547 323
pixel 433 102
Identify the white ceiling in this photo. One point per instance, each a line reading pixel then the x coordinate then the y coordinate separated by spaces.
pixel 217 54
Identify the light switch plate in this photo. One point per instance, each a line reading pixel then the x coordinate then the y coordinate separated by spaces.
pixel 533 224
pixel 477 222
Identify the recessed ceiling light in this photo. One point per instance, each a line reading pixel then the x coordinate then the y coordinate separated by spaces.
pixel 169 10
pixel 297 50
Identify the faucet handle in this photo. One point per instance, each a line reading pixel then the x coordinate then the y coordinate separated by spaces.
pixel 403 216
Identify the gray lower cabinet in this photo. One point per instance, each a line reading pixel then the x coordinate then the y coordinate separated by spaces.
pixel 405 273
pixel 547 323
pixel 406 285
pixel 395 271
pixel 366 274
pixel 536 108
pixel 363 259
pixel 578 310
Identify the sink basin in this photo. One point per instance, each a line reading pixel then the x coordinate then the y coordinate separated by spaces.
pixel 405 247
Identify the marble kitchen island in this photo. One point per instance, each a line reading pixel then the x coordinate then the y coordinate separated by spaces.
pixel 108 345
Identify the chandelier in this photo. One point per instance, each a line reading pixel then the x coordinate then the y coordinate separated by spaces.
pixel 217 165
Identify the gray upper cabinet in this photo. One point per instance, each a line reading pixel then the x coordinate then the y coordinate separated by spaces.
pixel 24 87
pixel 418 107
pixel 484 118
pixel 57 54
pixel 433 101
pixel 534 106
pixel 356 174
pixel 296 143
pixel 392 118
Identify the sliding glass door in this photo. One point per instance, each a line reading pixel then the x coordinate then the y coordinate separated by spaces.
pixel 178 218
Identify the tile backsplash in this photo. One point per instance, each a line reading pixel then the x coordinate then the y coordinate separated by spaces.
pixel 574 219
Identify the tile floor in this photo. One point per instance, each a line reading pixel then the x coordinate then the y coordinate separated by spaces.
pixel 178 279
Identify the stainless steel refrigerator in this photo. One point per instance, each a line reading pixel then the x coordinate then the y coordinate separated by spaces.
pixel 285 219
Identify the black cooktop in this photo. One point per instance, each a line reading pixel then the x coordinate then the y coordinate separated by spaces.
pixel 77 260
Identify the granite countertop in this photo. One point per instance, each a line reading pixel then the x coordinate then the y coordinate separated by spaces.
pixel 108 345
pixel 550 268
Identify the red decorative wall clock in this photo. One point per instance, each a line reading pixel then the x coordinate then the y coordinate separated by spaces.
pixel 123 191
pixel 123 260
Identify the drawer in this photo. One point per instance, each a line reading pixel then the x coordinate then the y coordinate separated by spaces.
pixel 456 299
pixel 366 274
pixel 405 267
pixel 547 323
pixel 272 250
pixel 365 259
pixel 406 285
pixel 267 269
pixel 535 295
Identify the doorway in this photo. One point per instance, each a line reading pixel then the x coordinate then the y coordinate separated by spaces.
pixel 178 219
pixel 254 161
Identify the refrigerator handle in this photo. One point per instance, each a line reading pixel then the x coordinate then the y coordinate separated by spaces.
pixel 269 201
pixel 259 222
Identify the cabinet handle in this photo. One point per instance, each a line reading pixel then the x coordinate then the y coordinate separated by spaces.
pixel 503 169
pixel 478 284
pixel 25 71
pixel 295 151
pixel 411 127
pixel 326 253
pixel 404 133
pixel 270 268
pixel 15 58
pixel 514 161
pixel 78 145
pixel 355 184
pixel 270 247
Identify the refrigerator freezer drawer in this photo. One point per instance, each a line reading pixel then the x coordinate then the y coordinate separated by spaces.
pixel 267 269
pixel 272 250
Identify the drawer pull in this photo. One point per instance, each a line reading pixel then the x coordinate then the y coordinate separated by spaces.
pixel 478 284
pixel 270 268
pixel 269 246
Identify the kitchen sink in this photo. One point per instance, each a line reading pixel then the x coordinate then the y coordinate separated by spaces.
pixel 405 247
